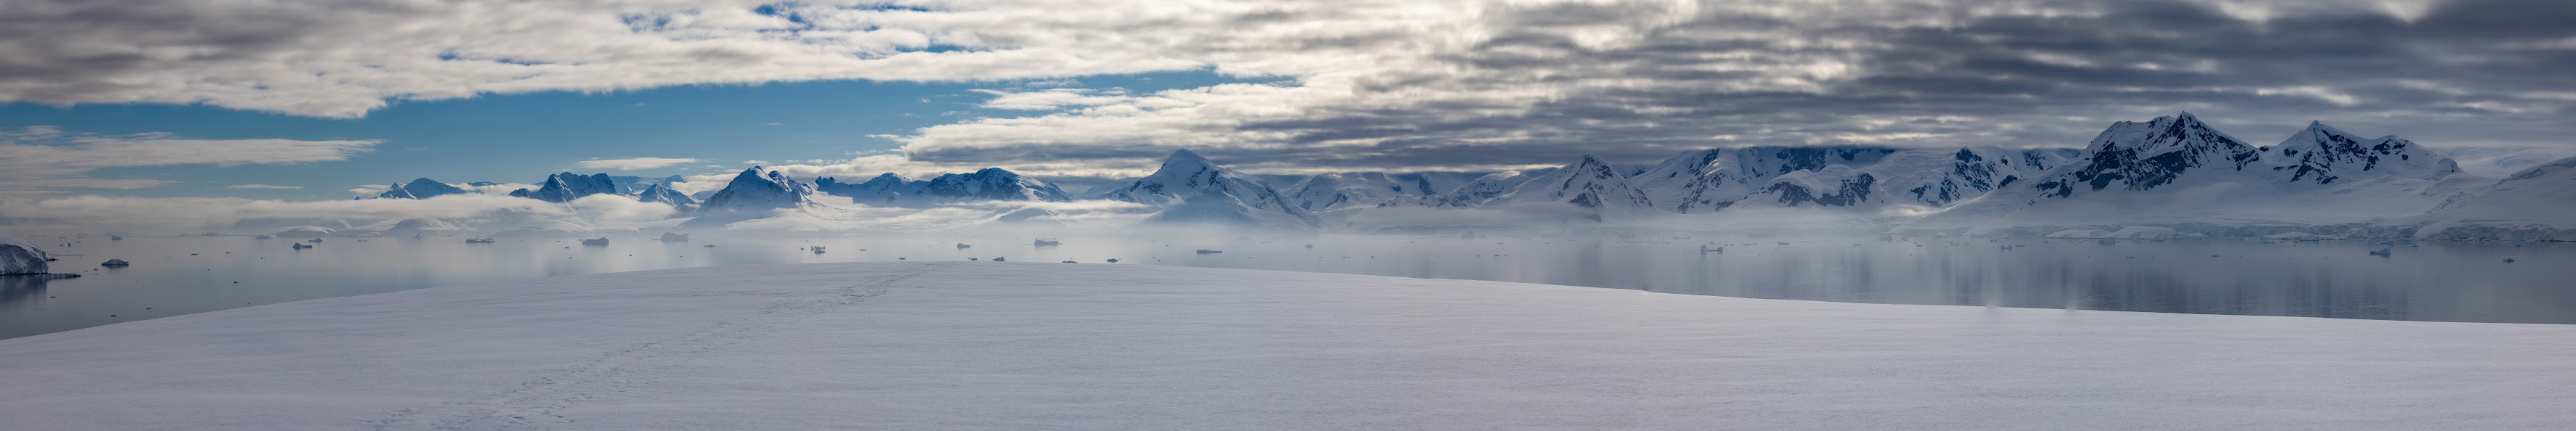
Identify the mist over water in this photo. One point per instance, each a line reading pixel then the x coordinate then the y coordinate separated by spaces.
pixel 2434 281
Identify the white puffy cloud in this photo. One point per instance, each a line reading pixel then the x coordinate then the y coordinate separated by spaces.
pixel 632 163
pixel 48 157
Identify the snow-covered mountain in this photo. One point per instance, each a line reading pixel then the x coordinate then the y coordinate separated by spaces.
pixel 2179 172
pixel 885 189
pixel 2321 154
pixel 757 191
pixel 993 184
pixel 421 188
pixel 1938 179
pixel 1189 188
pixel 2142 156
pixel 1712 180
pixel 988 184
pixel 567 186
pixel 1590 183
pixel 1832 186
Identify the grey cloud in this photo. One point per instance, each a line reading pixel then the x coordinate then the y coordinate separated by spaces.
pixel 2349 66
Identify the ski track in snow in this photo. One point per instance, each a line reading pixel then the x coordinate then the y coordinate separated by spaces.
pixel 533 403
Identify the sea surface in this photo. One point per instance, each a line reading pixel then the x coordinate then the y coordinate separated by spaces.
pixel 2434 281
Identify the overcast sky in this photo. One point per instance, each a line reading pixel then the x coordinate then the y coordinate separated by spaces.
pixel 310 99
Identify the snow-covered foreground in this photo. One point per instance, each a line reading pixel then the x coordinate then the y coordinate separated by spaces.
pixel 960 345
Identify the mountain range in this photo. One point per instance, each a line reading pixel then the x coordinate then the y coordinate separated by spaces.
pixel 2174 172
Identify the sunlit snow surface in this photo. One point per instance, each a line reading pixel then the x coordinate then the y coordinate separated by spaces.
pixel 1045 345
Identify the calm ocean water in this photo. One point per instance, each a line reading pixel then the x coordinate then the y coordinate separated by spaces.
pixel 2416 281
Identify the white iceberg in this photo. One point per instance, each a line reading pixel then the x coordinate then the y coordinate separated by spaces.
pixel 17 256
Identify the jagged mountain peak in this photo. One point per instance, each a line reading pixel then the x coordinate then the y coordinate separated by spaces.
pixel 567 186
pixel 887 179
pixel 2143 156
pixel 1590 183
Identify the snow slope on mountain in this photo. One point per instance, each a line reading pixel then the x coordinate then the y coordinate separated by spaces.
pixel 1352 191
pixel 1938 179
pixel 1476 193
pixel 1046 345
pixel 1219 209
pixel 1833 186
pixel 885 189
pixel 420 188
pixel 2321 154
pixel 17 256
pixel 2178 172
pixel 1710 180
pixel 1187 178
pixel 1345 191
pixel 2502 161
pixel 2538 203
pixel 664 194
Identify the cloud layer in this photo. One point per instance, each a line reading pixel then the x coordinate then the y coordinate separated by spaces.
pixel 42 157
pixel 1375 84
pixel 632 163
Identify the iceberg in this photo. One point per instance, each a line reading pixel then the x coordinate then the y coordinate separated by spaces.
pixel 17 256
